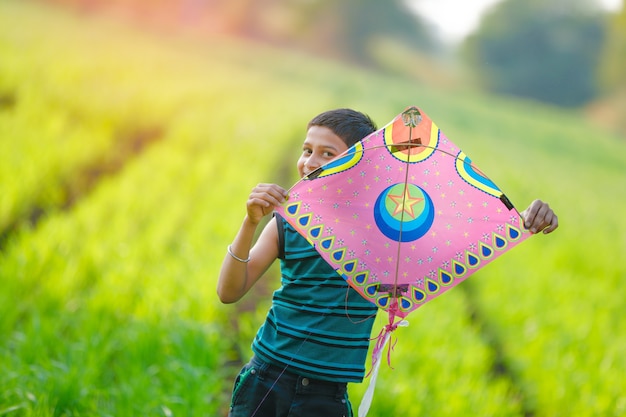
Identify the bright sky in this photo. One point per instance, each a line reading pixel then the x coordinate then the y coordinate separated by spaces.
pixel 457 18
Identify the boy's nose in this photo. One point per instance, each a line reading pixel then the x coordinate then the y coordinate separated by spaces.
pixel 312 163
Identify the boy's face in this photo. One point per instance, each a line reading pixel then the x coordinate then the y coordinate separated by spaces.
pixel 320 146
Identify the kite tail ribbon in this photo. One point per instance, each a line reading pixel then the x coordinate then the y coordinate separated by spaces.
pixel 381 341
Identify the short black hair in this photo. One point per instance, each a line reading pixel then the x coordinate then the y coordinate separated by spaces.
pixel 350 125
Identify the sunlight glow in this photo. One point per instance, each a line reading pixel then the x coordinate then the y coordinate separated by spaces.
pixel 455 20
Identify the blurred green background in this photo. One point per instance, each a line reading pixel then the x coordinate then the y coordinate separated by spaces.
pixel 132 131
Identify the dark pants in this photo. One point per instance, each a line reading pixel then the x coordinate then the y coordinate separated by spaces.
pixel 264 390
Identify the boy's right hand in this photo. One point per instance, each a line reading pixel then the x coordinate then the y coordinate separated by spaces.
pixel 263 199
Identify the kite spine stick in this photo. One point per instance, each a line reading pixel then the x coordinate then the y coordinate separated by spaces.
pixel 394 293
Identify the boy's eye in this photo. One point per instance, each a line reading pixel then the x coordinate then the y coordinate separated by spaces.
pixel 324 154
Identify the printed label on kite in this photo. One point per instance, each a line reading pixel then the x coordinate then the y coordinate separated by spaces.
pixel 404 213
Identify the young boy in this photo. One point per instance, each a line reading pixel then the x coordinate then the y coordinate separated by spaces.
pixel 316 335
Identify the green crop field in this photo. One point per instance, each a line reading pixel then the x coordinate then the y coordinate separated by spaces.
pixel 125 162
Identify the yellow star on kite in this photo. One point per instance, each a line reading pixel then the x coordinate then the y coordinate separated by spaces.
pixel 405 202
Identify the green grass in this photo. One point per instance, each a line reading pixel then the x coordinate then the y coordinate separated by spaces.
pixel 108 306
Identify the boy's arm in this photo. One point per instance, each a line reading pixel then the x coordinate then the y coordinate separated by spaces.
pixel 243 263
pixel 540 217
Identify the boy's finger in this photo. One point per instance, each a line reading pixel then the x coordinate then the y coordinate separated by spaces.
pixel 554 223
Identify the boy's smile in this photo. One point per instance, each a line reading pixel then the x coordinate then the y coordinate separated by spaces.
pixel 320 146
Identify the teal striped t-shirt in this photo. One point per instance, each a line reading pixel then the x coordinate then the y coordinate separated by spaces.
pixel 318 326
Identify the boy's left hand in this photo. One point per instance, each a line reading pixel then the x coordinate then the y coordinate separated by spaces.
pixel 540 217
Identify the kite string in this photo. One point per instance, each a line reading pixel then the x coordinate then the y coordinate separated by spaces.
pixel 287 365
pixel 345 306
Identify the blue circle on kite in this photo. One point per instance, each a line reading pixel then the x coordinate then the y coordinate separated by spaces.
pixel 404 213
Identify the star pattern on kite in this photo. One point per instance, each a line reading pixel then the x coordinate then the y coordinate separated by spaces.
pixel 404 203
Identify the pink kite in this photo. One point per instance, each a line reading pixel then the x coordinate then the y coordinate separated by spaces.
pixel 403 216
